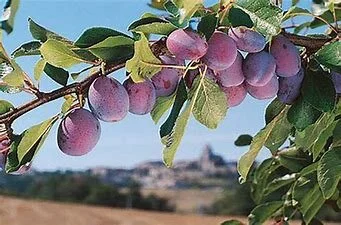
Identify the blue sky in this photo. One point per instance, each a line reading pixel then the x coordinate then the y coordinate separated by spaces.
pixel 134 139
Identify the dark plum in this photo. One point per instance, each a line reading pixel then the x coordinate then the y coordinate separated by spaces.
pixel 232 76
pixel 336 77
pixel 287 56
pixel 186 44
pixel 290 87
pixel 259 68
pixel 142 96
pixel 78 132
pixel 235 94
pixel 267 91
pixel 221 53
pixel 108 99
pixel 247 40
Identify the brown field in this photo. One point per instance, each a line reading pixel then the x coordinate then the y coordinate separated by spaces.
pixel 27 212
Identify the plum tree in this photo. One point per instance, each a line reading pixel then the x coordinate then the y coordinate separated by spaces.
pixel 108 99
pixel 287 56
pixel 192 74
pixel 166 81
pixel 336 77
pixel 221 53
pixel 233 75
pixel 142 96
pixel 78 132
pixel 290 87
pixel 247 39
pixel 186 44
pixel 235 94
pixel 259 68
pixel 268 91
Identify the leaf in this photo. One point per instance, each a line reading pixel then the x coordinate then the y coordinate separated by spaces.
pixel 307 194
pixel 69 100
pixel 141 66
pixel 27 49
pixel 7 17
pixel 58 54
pixel 171 8
pixel 273 109
pixel 337 135
pixel 263 212
pixel 27 144
pixel 294 159
pixel 301 114
pixel 295 11
pixel 152 25
pixel 243 140
pixel 59 75
pixel 330 56
pixel 161 107
pixel 232 222
pixel 187 8
pixel 266 17
pixel 173 140
pixel 39 69
pixel 96 35
pixel 210 107
pixel 319 91
pixel 42 34
pixel 280 182
pixel 258 142
pixel 5 106
pixel 207 25
pixel 238 17
pixel 180 99
pixel 329 172
pixel 328 17
pixel 16 77
pixel 113 49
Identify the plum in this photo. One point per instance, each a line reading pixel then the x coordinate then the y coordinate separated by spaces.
pixel 166 81
pixel 267 91
pixel 192 74
pixel 287 56
pixel 232 76
pixel 108 99
pixel 142 96
pixel 221 53
pixel 290 87
pixel 259 68
pixel 247 40
pixel 186 44
pixel 235 94
pixel 336 77
pixel 78 132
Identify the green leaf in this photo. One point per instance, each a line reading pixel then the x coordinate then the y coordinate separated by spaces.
pixel 337 135
pixel 280 182
pixel 238 17
pixel 180 99
pixel 263 212
pixel 210 107
pixel 27 49
pixel 232 222
pixel 330 56
pixel 59 75
pixel 39 69
pixel 243 140
pixel 258 142
pixel 266 17
pixel 96 35
pixel 295 11
pixel 273 109
pixel 294 159
pixel 26 145
pixel 187 8
pixel 142 65
pixel 302 114
pixel 114 49
pixel 173 140
pixel 171 8
pixel 42 34
pixel 307 194
pixel 329 172
pixel 69 100
pixel 161 107
pixel 327 16
pixel 5 106
pixel 207 25
pixel 319 91
pixel 16 77
pixel 58 54
pixel 152 25
pixel 7 17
